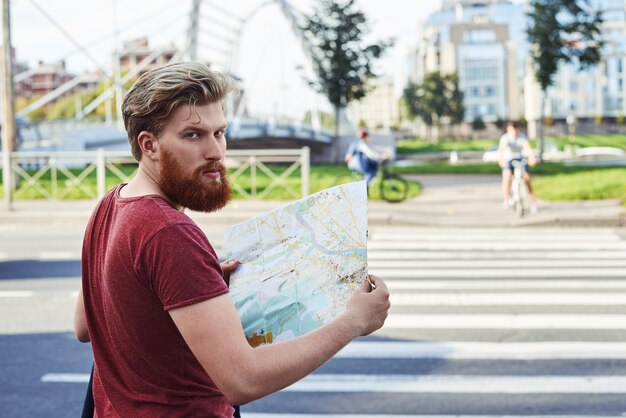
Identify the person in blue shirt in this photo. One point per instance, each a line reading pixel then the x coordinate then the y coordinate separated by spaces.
pixel 361 158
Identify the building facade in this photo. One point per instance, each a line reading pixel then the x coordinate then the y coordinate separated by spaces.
pixel 589 96
pixel 480 41
pixel 485 42
pixel 379 109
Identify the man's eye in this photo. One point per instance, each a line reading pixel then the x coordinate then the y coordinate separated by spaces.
pixel 193 135
pixel 220 134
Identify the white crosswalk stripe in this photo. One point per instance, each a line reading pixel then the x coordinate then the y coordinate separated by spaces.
pixel 553 293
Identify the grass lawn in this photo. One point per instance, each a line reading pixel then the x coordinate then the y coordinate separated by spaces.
pixel 551 181
pixel 617 141
pixel 321 177
pixel 416 145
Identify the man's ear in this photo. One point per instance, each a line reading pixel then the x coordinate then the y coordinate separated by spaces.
pixel 149 145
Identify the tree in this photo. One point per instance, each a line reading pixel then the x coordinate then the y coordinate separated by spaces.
pixel 436 98
pixel 342 63
pixel 561 31
pixel 478 124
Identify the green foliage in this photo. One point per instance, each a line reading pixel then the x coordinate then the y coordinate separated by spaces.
pixel 562 31
pixel 435 98
pixel 341 61
pixel 362 124
pixel 478 124
pixel 500 123
pixel 326 119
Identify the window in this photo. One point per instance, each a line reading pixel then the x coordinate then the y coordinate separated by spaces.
pixel 479 36
pixel 491 91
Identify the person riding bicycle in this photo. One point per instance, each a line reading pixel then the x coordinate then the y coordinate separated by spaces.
pixel 514 146
pixel 360 157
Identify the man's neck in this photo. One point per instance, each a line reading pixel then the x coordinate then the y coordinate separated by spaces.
pixel 144 183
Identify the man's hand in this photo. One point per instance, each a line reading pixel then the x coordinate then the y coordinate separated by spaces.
pixel 227 268
pixel 369 304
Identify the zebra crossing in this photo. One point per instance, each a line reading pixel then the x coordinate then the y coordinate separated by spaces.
pixel 484 323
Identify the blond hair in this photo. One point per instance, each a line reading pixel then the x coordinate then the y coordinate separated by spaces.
pixel 153 97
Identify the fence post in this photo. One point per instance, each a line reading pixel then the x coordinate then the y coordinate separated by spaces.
pixel 101 172
pixel 305 168
pixel 7 180
pixel 253 175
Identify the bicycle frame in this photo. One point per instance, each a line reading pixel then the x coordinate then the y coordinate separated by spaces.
pixel 519 191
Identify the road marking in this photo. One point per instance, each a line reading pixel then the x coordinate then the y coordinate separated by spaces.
pixel 57 255
pixel 16 294
pixel 508 264
pixel 281 415
pixel 533 236
pixel 500 299
pixel 560 350
pixel 495 247
pixel 486 255
pixel 469 384
pixel 65 378
pixel 504 284
pixel 455 384
pixel 505 321
pixel 500 273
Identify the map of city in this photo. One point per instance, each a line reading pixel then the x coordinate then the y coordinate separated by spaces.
pixel 299 263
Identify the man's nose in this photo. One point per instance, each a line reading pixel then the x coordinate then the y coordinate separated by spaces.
pixel 213 151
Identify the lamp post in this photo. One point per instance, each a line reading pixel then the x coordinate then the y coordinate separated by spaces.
pixel 8 105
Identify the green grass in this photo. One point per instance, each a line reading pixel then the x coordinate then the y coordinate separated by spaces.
pixel 617 141
pixel 605 183
pixel 551 181
pixel 321 177
pixel 416 145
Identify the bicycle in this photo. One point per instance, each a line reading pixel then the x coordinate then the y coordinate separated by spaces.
pixel 519 191
pixel 393 188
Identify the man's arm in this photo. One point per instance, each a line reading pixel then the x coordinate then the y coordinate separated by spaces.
pixel 80 320
pixel 213 331
pixel 501 160
pixel 530 153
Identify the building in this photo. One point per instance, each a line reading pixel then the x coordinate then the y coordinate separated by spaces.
pixel 136 50
pixel 485 42
pixel 481 41
pixel 594 94
pixel 379 108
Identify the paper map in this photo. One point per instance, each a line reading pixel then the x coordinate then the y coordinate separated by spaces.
pixel 299 263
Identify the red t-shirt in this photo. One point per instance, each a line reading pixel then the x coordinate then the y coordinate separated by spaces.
pixel 141 257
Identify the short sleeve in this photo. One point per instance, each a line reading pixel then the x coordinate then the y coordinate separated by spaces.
pixel 181 267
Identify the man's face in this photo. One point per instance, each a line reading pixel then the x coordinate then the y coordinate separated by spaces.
pixel 512 130
pixel 193 144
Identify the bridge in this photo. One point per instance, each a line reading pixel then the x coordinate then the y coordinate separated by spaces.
pixel 280 122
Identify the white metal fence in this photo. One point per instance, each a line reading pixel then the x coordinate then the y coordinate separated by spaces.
pixel 68 173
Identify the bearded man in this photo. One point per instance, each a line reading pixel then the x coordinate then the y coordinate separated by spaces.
pixel 166 337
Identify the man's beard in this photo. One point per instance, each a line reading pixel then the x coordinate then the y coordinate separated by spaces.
pixel 194 191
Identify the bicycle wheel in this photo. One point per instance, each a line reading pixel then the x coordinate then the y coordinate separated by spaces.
pixel 393 188
pixel 520 198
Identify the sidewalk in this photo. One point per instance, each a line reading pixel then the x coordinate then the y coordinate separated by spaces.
pixel 447 201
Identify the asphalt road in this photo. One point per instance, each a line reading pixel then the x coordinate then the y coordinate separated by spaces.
pixel 484 322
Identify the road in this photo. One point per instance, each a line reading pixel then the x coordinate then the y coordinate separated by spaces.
pixel 485 323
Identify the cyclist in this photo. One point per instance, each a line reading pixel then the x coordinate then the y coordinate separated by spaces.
pixel 514 146
pixel 360 157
